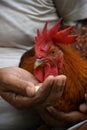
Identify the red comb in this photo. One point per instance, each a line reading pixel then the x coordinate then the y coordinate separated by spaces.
pixel 64 36
pixel 55 28
pixel 43 38
pixel 41 42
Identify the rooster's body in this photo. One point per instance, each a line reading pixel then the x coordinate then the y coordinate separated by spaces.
pixel 53 54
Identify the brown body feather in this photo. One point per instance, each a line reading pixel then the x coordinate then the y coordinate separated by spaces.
pixel 75 68
pixel 27 61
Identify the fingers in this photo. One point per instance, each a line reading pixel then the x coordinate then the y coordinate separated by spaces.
pixel 59 84
pixel 11 98
pixel 17 80
pixel 83 108
pixel 22 101
pixel 68 118
pixel 56 90
pixel 61 80
pixel 19 86
pixel 44 89
pixel 76 116
pixel 18 101
pixel 56 114
pixel 49 119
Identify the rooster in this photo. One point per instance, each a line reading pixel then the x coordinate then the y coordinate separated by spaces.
pixel 53 54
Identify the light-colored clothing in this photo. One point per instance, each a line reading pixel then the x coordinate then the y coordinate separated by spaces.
pixel 19 21
pixel 72 10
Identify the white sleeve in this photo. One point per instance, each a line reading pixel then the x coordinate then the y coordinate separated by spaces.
pixel 72 10
pixel 19 21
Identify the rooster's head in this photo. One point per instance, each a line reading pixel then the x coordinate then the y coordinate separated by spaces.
pixel 49 57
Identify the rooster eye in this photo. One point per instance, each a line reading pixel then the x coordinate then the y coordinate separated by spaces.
pixel 53 52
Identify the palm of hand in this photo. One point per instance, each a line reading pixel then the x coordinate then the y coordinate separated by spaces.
pixel 18 86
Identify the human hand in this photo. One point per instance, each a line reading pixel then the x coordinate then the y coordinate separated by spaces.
pixel 61 119
pixel 18 87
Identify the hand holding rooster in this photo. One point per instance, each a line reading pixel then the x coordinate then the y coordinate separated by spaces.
pixel 18 87
pixel 18 91
pixel 59 118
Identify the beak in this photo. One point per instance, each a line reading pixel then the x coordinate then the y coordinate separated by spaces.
pixel 38 62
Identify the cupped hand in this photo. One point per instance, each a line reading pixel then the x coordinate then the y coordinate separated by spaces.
pixel 57 84
pixel 18 87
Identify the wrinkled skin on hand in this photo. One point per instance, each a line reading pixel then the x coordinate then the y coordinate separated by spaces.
pixel 61 119
pixel 18 87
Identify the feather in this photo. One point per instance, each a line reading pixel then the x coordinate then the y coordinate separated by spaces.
pixel 57 55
